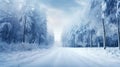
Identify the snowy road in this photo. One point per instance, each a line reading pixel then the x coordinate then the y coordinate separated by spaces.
pixel 60 57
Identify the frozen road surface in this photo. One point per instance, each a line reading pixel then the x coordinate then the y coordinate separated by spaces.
pixel 60 57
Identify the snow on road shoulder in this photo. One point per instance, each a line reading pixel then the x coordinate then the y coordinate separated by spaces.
pixel 99 56
pixel 114 52
pixel 17 58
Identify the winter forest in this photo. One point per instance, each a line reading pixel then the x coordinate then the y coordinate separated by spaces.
pixel 22 25
pixel 100 30
pixel 70 33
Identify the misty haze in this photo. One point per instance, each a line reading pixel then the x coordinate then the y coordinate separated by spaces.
pixel 59 33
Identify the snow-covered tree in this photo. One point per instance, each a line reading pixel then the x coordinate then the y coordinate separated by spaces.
pixel 103 23
pixel 118 21
pixel 99 30
pixel 23 22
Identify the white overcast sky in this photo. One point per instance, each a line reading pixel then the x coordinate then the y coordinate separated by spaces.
pixel 61 13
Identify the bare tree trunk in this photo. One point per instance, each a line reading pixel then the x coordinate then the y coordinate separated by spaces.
pixel 24 28
pixel 98 45
pixel 73 41
pixel 118 15
pixel 104 34
pixel 90 38
pixel 118 33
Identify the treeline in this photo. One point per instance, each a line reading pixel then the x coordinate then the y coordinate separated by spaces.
pixel 100 27
pixel 23 22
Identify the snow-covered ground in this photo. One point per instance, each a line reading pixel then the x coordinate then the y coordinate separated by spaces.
pixel 62 57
